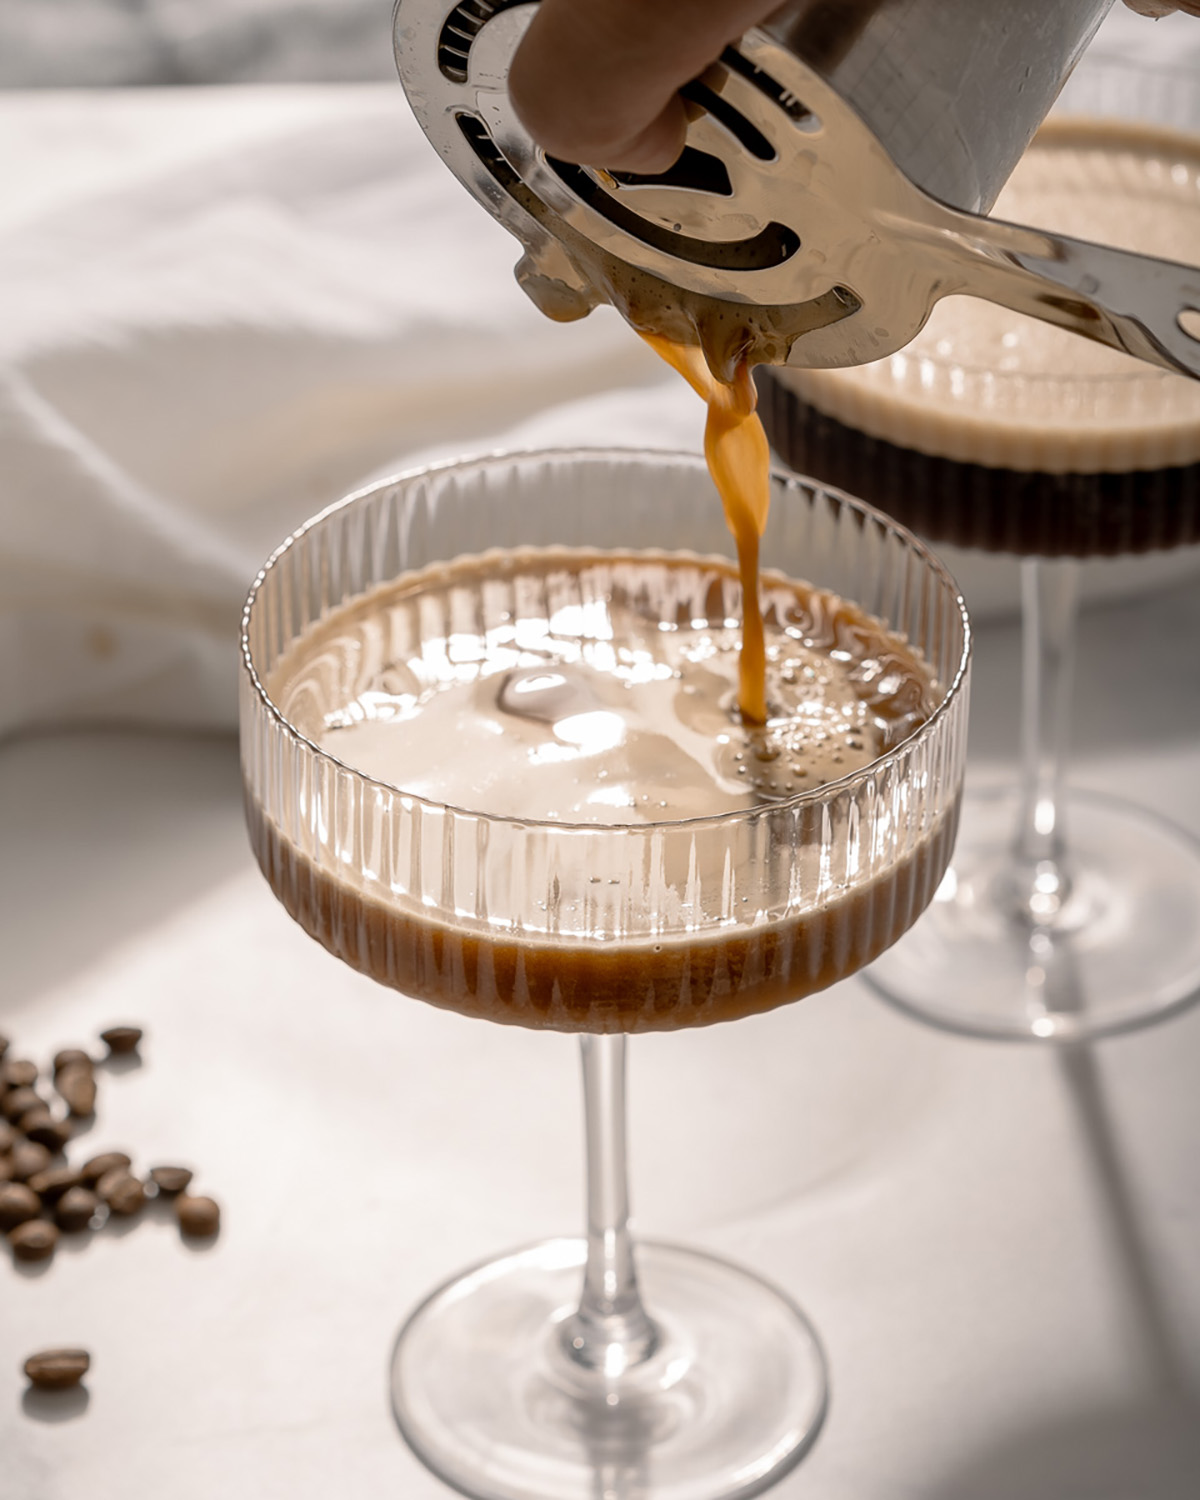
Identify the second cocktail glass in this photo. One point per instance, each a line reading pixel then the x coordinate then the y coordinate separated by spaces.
pixel 544 1375
pixel 1069 914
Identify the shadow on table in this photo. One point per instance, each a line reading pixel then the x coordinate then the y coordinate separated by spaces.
pixel 1135 674
pixel 55 1406
pixel 1147 1448
pixel 1115 1453
pixel 107 834
pixel 1151 1338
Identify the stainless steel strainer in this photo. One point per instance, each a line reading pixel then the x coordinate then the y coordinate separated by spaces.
pixel 831 190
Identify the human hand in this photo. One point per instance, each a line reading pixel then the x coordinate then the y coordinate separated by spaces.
pixel 596 81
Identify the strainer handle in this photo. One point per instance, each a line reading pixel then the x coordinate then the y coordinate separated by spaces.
pixel 1147 307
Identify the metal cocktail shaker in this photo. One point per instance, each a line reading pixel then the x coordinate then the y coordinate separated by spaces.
pixel 954 92
pixel 830 190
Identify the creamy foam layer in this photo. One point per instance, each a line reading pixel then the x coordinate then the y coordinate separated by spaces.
pixel 984 385
pixel 597 689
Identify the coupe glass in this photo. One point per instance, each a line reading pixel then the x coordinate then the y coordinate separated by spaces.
pixel 1075 915
pixel 1068 914
pixel 544 1373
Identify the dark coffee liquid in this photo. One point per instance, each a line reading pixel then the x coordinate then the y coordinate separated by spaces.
pixel 605 987
pixel 982 506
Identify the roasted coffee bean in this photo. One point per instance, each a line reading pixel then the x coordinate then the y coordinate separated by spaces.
pixel 19 1101
pixel 33 1240
pixel 3 1045
pixel 8 1137
pixel 75 1210
pixel 170 1180
pixel 197 1216
pixel 17 1203
pixel 18 1073
pixel 121 1040
pixel 72 1057
pixel 6 1169
pixel 28 1159
pixel 123 1193
pixel 51 1184
pixel 57 1369
pixel 92 1171
pixel 40 1125
pixel 77 1085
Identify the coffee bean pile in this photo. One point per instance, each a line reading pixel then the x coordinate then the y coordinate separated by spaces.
pixel 42 1195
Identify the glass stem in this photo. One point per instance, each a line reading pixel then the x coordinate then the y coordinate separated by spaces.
pixel 610 1330
pixel 1049 608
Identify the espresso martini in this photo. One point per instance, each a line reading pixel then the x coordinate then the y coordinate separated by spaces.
pixel 600 689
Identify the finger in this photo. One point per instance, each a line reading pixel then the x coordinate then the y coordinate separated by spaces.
pixel 595 81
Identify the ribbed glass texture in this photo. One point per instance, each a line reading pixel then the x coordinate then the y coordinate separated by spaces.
pixel 627 928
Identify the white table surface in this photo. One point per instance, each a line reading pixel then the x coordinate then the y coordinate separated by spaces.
pixel 1000 1245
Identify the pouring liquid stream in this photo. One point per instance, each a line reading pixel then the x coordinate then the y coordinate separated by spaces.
pixel 739 460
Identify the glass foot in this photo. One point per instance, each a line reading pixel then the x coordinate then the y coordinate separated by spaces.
pixel 1121 951
pixel 488 1399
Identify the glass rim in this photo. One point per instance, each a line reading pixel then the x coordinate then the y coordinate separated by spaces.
pixel 814 796
pixel 1117 381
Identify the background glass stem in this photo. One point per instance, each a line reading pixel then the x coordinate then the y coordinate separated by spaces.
pixel 1049 605
pixel 610 1331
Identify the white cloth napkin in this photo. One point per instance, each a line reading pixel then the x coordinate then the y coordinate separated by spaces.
pixel 222 308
